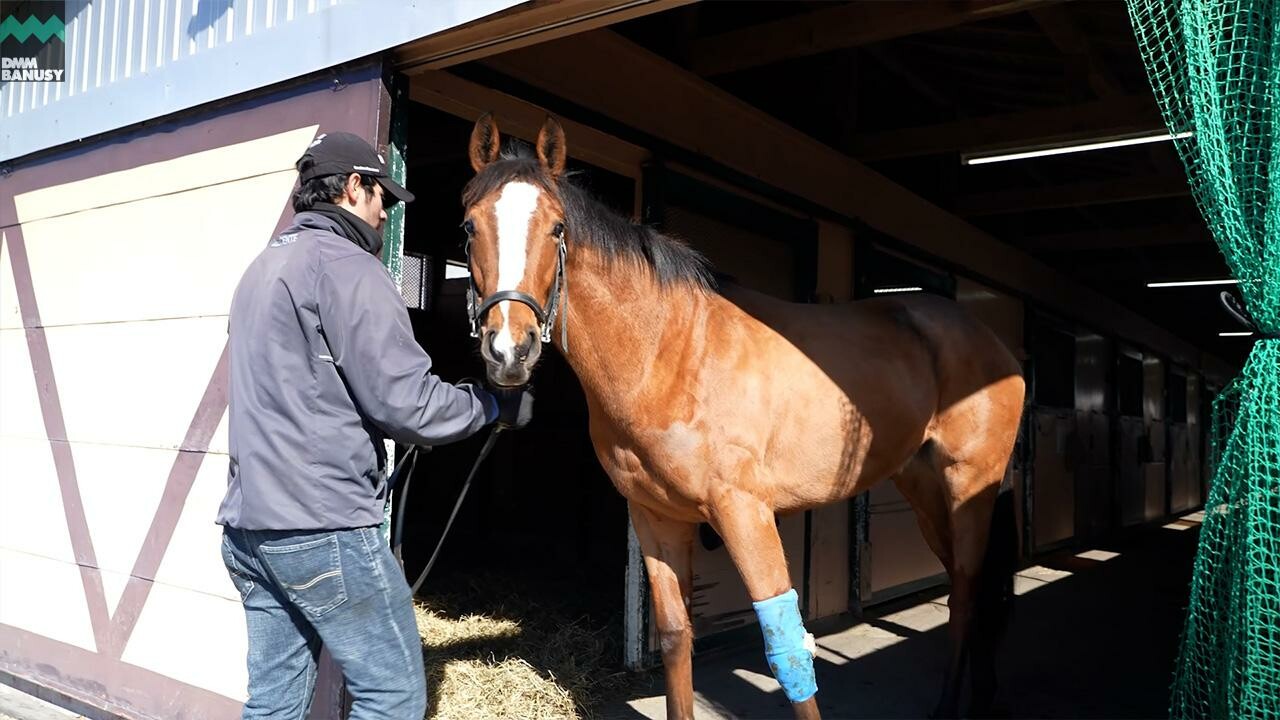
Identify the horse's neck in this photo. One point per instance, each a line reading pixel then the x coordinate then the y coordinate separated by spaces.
pixel 619 323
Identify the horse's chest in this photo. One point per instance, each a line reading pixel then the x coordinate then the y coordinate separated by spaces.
pixel 658 470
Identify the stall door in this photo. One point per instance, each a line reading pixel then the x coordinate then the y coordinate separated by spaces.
pixel 1055 441
pixel 1053 485
pixel 1091 451
pixel 1184 442
pixel 1131 449
pixel 1132 446
pixel 1092 463
pixel 1155 470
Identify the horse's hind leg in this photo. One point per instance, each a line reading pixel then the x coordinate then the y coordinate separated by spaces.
pixel 668 558
pixel 953 506
pixel 970 525
pixel 751 537
pixel 925 488
pixel 994 602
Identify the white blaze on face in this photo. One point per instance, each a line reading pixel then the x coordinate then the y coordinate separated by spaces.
pixel 515 209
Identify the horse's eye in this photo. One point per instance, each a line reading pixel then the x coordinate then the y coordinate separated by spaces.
pixel 558 230
pixel 468 227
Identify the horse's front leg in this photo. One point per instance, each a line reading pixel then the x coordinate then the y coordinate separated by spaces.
pixel 750 535
pixel 668 558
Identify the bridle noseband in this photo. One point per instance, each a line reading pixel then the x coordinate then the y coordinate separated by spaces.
pixel 476 308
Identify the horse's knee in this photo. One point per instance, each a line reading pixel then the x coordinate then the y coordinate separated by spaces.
pixel 787 646
pixel 677 639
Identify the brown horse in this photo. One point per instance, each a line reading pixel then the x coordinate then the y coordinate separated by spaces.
pixel 729 407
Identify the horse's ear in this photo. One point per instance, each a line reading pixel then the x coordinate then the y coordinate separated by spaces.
pixel 485 142
pixel 551 147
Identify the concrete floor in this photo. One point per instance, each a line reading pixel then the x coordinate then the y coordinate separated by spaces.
pixel 1095 635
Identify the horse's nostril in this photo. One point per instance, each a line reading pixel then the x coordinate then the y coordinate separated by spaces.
pixel 489 337
pixel 524 348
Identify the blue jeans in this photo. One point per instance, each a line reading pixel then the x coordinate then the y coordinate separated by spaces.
pixel 342 588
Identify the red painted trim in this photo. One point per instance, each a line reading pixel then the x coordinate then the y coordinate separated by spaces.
pixel 181 477
pixel 83 675
pixel 56 430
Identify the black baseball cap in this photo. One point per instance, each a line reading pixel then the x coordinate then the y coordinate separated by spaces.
pixel 343 153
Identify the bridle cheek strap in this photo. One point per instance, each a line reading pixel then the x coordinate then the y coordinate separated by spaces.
pixel 546 318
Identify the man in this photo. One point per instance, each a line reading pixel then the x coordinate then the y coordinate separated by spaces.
pixel 324 365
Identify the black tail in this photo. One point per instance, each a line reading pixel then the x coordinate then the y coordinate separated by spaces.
pixel 994 605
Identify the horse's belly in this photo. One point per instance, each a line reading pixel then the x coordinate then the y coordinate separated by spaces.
pixel 794 450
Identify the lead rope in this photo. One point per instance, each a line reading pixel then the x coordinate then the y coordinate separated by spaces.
pixel 397 534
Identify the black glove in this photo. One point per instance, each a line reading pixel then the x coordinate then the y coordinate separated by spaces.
pixel 488 399
pixel 515 407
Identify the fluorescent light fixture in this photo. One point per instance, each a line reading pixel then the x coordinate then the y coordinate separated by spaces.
pixel 453 271
pixel 884 290
pixel 1243 333
pixel 1192 283
pixel 1043 151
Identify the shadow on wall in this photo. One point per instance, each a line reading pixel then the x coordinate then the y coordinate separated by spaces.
pixel 207 14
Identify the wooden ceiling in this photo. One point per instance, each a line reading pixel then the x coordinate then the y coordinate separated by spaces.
pixel 907 87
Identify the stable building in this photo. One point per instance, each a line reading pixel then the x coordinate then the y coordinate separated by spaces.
pixel 817 152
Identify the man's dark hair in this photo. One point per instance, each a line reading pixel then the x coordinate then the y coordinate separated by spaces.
pixel 324 189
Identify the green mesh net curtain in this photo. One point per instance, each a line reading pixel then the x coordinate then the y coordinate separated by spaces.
pixel 1215 69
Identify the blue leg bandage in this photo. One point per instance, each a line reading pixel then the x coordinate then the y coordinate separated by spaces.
pixel 787 646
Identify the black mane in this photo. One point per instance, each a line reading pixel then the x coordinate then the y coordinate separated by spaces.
pixel 593 224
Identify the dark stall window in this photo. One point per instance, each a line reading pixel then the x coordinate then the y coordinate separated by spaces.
pixel 1054 357
pixel 1129 384
pixel 878 272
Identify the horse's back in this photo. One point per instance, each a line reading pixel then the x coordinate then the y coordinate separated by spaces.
pixel 893 366
pixel 883 325
pixel 903 360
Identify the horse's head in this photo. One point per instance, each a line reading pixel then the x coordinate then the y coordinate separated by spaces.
pixel 515 225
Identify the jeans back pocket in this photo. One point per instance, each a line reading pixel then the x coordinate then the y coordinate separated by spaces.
pixel 310 573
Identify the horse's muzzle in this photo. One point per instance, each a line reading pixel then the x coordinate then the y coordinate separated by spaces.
pixel 508 363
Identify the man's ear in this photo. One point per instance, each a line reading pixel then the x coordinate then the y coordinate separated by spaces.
pixel 352 189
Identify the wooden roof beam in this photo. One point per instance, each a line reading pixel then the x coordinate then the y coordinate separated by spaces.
pixel 467 100
pixel 1061 30
pixel 1099 118
pixel 845 26
pixel 525 24
pixel 1100 192
pixel 910 77
pixel 1115 239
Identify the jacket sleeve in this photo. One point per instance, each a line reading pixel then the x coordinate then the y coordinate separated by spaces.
pixel 367 328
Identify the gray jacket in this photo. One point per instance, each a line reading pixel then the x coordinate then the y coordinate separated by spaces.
pixel 324 365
